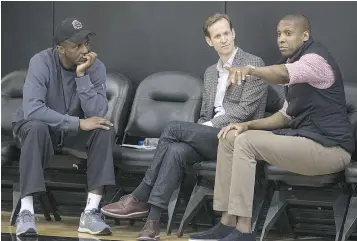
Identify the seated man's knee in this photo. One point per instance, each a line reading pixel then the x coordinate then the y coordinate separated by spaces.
pixel 174 124
pixel 244 138
pixel 172 127
pixel 38 127
pixel 229 140
pixel 110 132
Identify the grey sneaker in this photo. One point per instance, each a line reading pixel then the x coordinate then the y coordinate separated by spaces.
pixel 25 224
pixel 91 222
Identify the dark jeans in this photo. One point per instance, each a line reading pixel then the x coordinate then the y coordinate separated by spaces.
pixel 181 143
pixel 37 142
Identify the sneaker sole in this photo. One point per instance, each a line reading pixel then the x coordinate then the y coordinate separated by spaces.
pixel 29 233
pixel 105 231
pixel 130 215
pixel 150 239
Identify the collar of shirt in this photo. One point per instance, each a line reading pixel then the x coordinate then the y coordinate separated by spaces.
pixel 229 63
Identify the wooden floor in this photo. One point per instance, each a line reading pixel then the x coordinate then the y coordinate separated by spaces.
pixel 68 228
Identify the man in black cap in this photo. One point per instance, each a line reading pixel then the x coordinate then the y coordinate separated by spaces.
pixel 64 104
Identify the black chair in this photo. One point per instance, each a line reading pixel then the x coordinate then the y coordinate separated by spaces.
pixel 351 179
pixel 310 191
pixel 351 217
pixel 160 98
pixel 206 171
pixel 119 94
pixel 11 99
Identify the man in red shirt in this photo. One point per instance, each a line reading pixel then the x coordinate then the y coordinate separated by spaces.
pixel 310 135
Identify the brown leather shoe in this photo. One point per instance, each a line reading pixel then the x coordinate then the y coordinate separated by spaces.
pixel 150 231
pixel 127 207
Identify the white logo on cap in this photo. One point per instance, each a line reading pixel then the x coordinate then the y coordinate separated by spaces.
pixel 76 24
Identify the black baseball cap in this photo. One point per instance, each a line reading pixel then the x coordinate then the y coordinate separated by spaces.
pixel 70 29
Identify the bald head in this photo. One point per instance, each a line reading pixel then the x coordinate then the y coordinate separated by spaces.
pixel 301 22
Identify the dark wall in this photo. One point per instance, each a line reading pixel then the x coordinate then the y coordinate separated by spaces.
pixel 26 28
pixel 332 23
pixel 140 38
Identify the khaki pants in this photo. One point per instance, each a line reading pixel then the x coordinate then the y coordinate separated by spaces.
pixel 237 158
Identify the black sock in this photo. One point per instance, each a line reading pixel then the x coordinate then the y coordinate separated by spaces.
pixel 155 213
pixel 142 192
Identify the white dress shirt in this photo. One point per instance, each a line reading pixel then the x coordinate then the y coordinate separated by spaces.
pixel 221 87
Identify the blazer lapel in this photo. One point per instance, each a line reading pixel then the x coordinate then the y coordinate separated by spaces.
pixel 238 58
pixel 213 79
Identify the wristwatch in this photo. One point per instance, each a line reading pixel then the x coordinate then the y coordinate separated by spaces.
pixel 252 67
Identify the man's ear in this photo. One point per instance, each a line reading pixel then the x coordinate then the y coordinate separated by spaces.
pixel 60 49
pixel 233 34
pixel 306 35
pixel 209 42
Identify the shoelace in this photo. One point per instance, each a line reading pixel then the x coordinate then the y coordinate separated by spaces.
pixel 149 225
pixel 123 198
pixel 96 215
pixel 25 217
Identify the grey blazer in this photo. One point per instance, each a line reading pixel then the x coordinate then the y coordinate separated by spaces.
pixel 241 102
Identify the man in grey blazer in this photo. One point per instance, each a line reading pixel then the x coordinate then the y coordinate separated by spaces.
pixel 184 143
